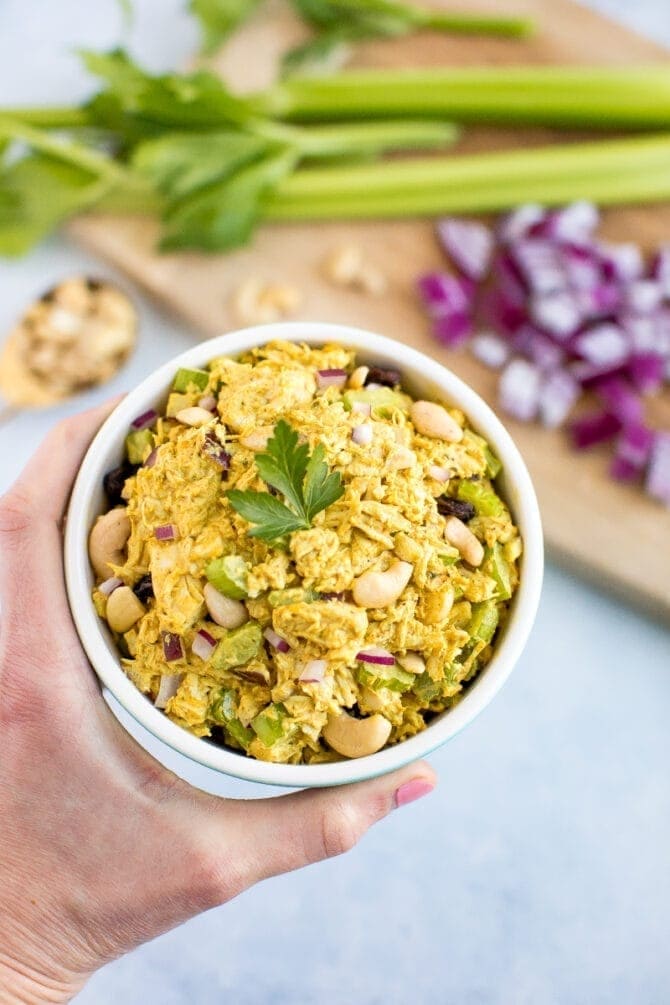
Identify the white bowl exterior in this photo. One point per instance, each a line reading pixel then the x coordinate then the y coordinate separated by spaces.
pixel 422 376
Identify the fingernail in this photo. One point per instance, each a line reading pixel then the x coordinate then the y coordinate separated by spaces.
pixel 413 790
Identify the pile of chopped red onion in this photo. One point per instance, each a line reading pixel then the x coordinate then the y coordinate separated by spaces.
pixel 561 314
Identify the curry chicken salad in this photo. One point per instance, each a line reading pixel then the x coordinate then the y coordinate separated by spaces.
pixel 300 560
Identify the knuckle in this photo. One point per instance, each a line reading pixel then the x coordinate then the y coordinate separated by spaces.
pixel 16 513
pixel 340 830
pixel 214 877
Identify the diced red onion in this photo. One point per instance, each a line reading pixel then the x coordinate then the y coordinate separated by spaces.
pixel 575 222
pixel 621 399
pixel 313 672
pixel 468 243
pixel 172 647
pixel 592 429
pixel 539 348
pixel 660 268
pixel 558 395
pixel 445 294
pixel 453 329
pixel 208 402
pixel 204 644
pixel 145 420
pixel 109 585
pixel 376 656
pixel 519 389
pixel 621 262
pixel 647 372
pixel 557 312
pixel 331 378
pixel 212 447
pixel 658 472
pixel 439 474
pixel 632 451
pixel 276 641
pixel 151 459
pixel 362 435
pixel 539 263
pixel 168 688
pixel 520 221
pixel 490 350
pixel 362 407
pixel 644 296
pixel 168 532
pixel 604 345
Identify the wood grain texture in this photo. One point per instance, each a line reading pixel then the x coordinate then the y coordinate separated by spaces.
pixel 608 533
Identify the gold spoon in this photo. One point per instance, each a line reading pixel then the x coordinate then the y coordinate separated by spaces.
pixel 75 337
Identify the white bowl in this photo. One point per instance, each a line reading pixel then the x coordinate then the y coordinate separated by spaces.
pixel 423 377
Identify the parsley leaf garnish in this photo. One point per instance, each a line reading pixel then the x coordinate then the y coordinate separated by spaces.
pixel 303 479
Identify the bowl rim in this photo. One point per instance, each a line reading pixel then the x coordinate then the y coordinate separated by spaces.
pixel 427 370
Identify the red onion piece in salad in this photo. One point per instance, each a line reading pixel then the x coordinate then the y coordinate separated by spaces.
pixel 362 435
pixel 145 420
pixel 168 532
pixel 361 407
pixel 276 641
pixel 313 672
pixel 151 459
pixel 204 644
pixel 109 585
pixel 331 378
pixel 376 656
pixel 173 648
pixel 168 688
pixel 208 402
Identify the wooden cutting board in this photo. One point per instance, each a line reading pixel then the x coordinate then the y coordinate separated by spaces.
pixel 609 533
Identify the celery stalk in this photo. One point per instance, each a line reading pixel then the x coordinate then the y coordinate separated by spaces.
pixel 565 96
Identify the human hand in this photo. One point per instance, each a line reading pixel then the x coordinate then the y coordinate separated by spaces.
pixel 102 848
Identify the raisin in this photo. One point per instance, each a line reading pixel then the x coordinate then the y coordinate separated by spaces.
pixel 144 588
pixel 93 285
pixel 114 481
pixel 383 375
pixel 455 507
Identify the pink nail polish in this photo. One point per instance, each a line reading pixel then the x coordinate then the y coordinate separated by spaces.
pixel 410 791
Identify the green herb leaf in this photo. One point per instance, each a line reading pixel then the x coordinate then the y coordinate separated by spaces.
pixel 272 517
pixel 304 481
pixel 218 18
pixel 321 487
pixel 283 465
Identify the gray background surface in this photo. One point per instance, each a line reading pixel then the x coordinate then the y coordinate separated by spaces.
pixel 538 871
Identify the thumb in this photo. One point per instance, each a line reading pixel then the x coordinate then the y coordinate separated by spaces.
pixel 280 834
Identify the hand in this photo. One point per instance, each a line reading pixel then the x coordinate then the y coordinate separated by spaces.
pixel 101 848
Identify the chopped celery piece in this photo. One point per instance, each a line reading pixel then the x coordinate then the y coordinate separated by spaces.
pixel 377 677
pixel 484 620
pixel 382 400
pixel 224 712
pixel 176 402
pixel 139 445
pixel 493 464
pixel 482 496
pixel 184 379
pixel 426 688
pixel 238 646
pixel 269 724
pixel 449 558
pixel 498 568
pixel 229 576
pixel 279 598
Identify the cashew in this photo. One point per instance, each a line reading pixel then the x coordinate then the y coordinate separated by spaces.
pixel 412 663
pixel 255 302
pixel 379 589
pixel 356 737
pixel 194 416
pixel 123 609
pixel 345 266
pixel 462 538
pixel 107 540
pixel 369 700
pixel 436 606
pixel 257 439
pixel 433 420
pixel 223 610
pixel 358 377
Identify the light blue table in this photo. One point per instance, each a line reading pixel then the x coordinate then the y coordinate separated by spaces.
pixel 539 871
